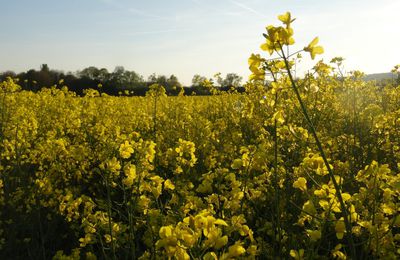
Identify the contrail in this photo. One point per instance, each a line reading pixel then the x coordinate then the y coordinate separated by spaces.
pixel 247 8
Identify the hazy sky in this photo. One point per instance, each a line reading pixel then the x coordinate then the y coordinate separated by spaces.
pixel 187 37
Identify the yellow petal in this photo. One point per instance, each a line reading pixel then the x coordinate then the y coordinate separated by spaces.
pixel 346 196
pixel 313 42
pixel 340 229
pixel 284 18
pixel 220 222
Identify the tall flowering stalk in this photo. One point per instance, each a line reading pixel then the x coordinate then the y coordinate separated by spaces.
pixel 277 41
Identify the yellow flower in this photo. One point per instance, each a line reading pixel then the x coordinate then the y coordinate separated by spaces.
pixel 337 254
pixel 388 208
pixel 86 240
pixel 268 46
pixel 125 150
pixel 309 207
pixel 353 213
pixel 187 236
pixel 313 49
pixel 130 173
pixel 286 18
pixel 181 254
pixel 237 164
pixel 314 234
pixel 258 74
pixel 346 196
pixel 324 204
pixel 236 250
pixel 276 37
pixel 220 242
pixel 113 165
pixel 166 231
pixel 278 116
pixel 178 170
pixel 340 228
pixel 323 192
pixel 298 255
pixel 107 237
pixel 210 256
pixel 169 185
pixel 151 151
pixel 300 183
pixel 200 222
pixel 255 61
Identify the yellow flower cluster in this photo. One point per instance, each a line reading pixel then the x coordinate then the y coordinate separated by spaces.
pixel 203 233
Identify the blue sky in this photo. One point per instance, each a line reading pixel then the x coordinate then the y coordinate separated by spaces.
pixel 187 37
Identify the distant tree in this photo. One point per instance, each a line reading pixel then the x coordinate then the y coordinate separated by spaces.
pixel 44 68
pixel 90 73
pixel 133 80
pixel 103 75
pixel 151 79
pixel 119 69
pixel 171 83
pixel 116 80
pixel 93 77
pixel 198 85
pixel 197 80
pixel 45 78
pixel 32 76
pixel 174 82
pixel 120 80
pixel 8 73
pixel 232 80
pixel 157 79
pixel 162 80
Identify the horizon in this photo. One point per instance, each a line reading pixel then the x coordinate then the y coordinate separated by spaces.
pixel 185 38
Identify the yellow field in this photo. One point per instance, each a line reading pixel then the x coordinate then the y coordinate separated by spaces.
pixel 224 176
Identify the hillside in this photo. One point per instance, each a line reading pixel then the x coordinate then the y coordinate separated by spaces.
pixel 380 76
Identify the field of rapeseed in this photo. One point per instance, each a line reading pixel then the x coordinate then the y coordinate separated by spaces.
pixel 292 168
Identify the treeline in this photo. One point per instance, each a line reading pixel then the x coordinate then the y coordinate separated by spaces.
pixel 119 81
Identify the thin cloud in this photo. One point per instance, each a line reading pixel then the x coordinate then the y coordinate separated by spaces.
pixel 213 12
pixel 227 13
pixel 247 8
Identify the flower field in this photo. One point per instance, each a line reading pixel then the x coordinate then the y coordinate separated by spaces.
pixel 292 168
